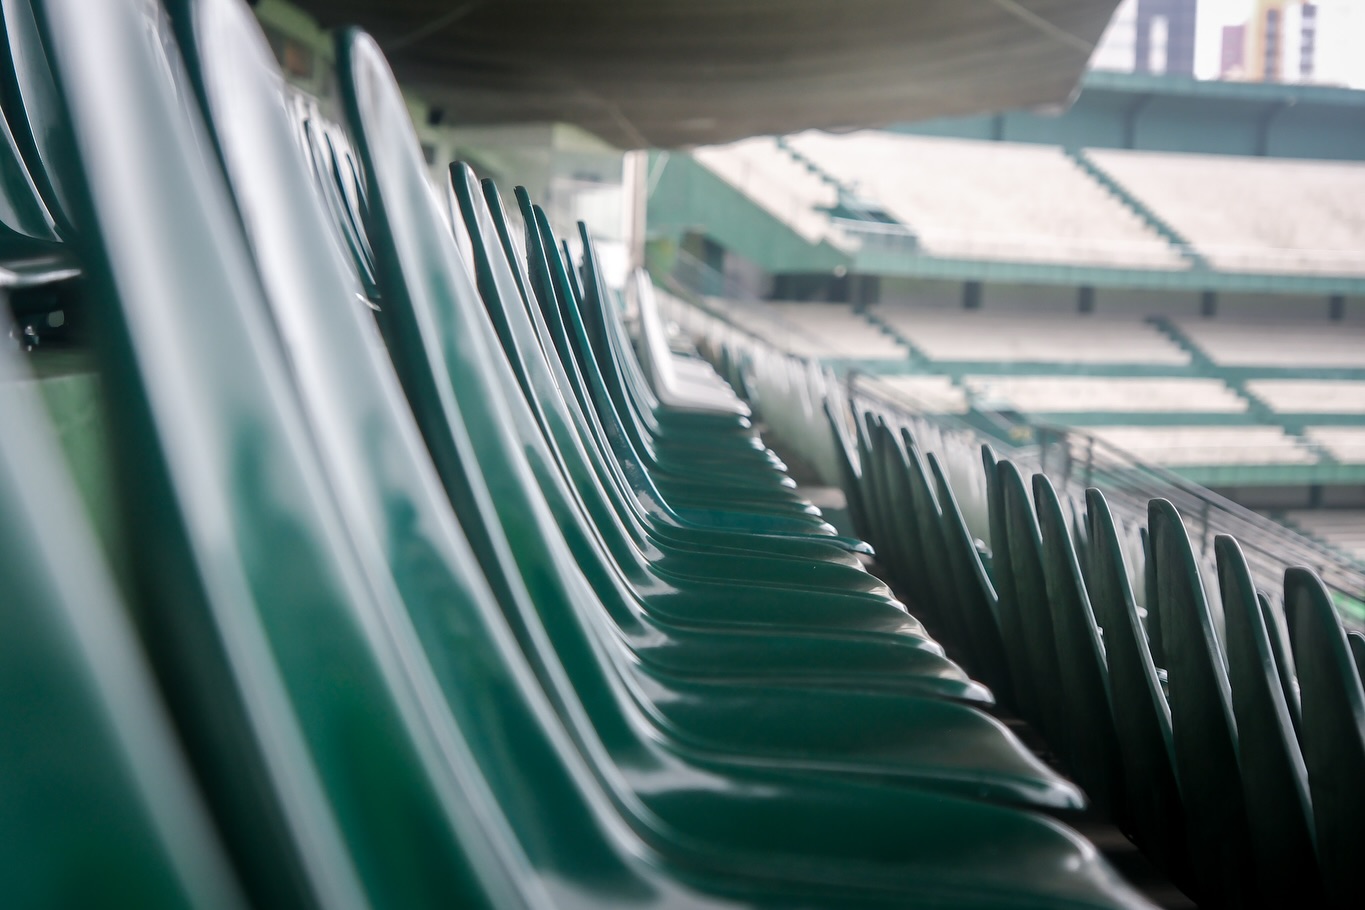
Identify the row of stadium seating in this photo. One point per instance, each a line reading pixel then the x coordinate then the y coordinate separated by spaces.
pixel 1228 391
pixel 953 334
pixel 429 591
pixel 963 199
pixel 1218 725
pixel 1197 723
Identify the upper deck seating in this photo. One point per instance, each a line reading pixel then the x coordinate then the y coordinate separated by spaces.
pixel 1177 446
pixel 983 335
pixel 1310 396
pixel 1056 394
pixel 1282 342
pixel 925 394
pixel 843 332
pixel 1254 214
pixel 771 177
pixel 991 200
pixel 1346 444
pixel 768 323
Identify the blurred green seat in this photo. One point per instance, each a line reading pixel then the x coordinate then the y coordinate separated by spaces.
pixel 1203 727
pixel 1022 564
pixel 98 802
pixel 976 593
pixel 1272 769
pixel 1094 746
pixel 1332 734
pixel 280 662
pixel 1012 628
pixel 1141 715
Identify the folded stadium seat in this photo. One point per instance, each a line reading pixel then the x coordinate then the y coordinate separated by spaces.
pixel 1356 639
pixel 1012 628
pixel 31 109
pixel 1272 769
pixel 1142 717
pixel 1023 566
pixel 927 515
pixel 879 856
pixel 974 591
pixel 25 222
pixel 1332 735
pixel 676 382
pixel 1278 636
pixel 94 792
pixel 1203 728
pixel 1094 745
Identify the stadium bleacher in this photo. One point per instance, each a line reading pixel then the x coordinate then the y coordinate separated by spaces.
pixel 1053 394
pixel 1310 396
pixel 1282 341
pixel 770 176
pixel 842 332
pixel 926 393
pixel 1345 444
pixel 1342 528
pixel 1033 337
pixel 1253 214
pixel 1216 445
pixel 991 200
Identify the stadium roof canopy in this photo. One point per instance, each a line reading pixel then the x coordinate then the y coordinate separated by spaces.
pixel 682 72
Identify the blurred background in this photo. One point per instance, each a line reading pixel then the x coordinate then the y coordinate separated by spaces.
pixel 1129 232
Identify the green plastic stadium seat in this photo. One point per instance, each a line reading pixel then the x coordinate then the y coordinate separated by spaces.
pixel 32 109
pixel 976 594
pixel 1284 657
pixel 1332 735
pixel 1012 629
pixel 25 223
pixel 1085 690
pixel 293 700
pixel 1356 639
pixel 1272 770
pixel 94 792
pixel 1142 717
pixel 1029 584
pixel 1204 730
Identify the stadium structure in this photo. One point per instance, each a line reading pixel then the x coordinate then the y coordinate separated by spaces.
pixel 723 454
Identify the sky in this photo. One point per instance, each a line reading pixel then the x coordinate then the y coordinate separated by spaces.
pixel 1214 14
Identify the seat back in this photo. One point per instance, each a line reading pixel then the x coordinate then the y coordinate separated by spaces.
pixel 1084 670
pixel 284 673
pixel 1273 772
pixel 97 797
pixel 1203 729
pixel 1333 734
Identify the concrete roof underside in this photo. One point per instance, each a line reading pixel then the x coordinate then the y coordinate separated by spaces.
pixel 673 73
